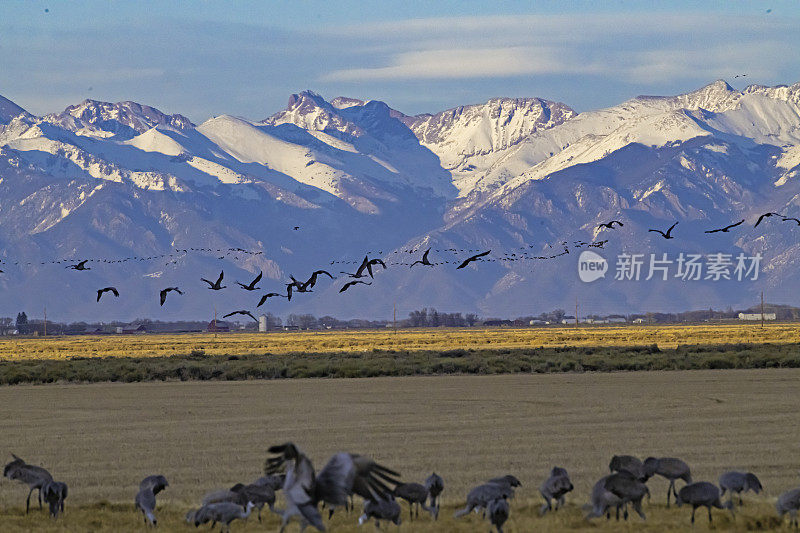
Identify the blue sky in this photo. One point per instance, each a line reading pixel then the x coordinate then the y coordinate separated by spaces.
pixel 245 58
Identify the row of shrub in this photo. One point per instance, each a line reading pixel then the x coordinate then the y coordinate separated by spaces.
pixel 198 366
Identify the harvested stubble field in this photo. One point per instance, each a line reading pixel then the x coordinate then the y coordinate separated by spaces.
pixel 371 354
pixel 103 438
pixel 434 339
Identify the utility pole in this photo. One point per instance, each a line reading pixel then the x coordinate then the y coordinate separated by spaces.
pixel 762 309
pixel 576 311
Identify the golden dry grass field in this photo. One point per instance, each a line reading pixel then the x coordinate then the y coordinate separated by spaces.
pixel 408 340
pixel 103 438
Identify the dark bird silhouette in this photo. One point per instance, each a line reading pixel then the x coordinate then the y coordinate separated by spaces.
pixel 247 313
pixel 765 215
pixel 786 219
pixel 312 280
pixel 424 260
pixel 163 293
pixel 726 228
pixel 252 286
pixel 113 290
pixel 268 295
pixel 354 282
pixel 610 225
pixel 296 228
pixel 218 285
pixel 473 258
pixel 80 266
pixel 366 264
pixel 668 234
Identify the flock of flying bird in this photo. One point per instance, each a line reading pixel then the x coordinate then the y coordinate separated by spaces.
pixel 365 268
pixel 345 475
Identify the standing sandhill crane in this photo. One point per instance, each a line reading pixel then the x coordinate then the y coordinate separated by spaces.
pixel 34 476
pixel 222 512
pixel 224 495
pixel 145 501
pixel 739 482
pixel 414 493
pixel 627 488
pixel 54 493
pixel 344 474
pixel 789 502
pixel 602 500
pixel 435 486
pixel 629 463
pixel 555 488
pixel 381 509
pixel 258 494
pixel 479 497
pixel 670 468
pixel 702 494
pixel 498 512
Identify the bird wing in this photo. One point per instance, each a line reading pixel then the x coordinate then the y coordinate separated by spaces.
pixel 737 224
pixel 671 227
pixel 347 285
pixel 230 314
pixel 258 278
pixel 656 231
pixel 378 262
pixel 99 294
pixel 425 256
pixel 364 264
pixel 248 313
pixel 221 275
pixel 346 474
pixel 204 279
pixel 713 231
pixel 324 272
pixel 262 300
pixel 163 296
pixel 114 291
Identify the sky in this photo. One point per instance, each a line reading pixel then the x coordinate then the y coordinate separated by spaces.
pixel 203 59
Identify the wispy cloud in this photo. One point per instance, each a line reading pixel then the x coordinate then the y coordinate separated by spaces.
pixel 640 47
pixel 456 63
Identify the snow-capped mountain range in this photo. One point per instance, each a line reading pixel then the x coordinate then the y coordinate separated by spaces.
pixel 127 182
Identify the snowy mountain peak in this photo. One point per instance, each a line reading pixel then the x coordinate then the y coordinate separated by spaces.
pixel 126 119
pixel 342 102
pixel 9 110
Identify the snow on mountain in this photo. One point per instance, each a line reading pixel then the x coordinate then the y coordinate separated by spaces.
pixel 9 110
pixel 467 138
pixel 523 177
pixel 124 119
